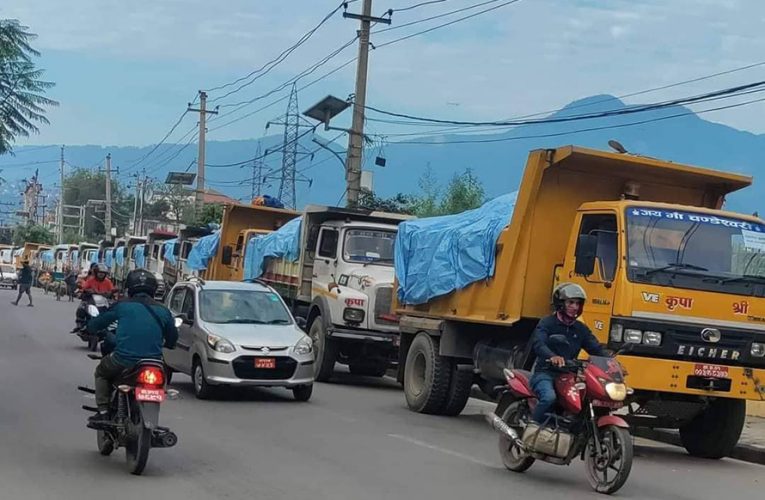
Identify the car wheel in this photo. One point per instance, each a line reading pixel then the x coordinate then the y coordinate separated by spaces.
pixel 202 390
pixel 302 392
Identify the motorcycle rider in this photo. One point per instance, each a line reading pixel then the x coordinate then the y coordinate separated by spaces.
pixel 144 326
pixel 568 302
pixel 99 282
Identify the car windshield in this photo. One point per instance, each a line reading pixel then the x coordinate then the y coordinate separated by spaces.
pixel 243 306
pixel 369 245
pixel 694 244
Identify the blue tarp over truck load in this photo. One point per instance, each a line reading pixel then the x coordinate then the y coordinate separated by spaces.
pixel 282 243
pixel 437 255
pixel 169 250
pixel 202 251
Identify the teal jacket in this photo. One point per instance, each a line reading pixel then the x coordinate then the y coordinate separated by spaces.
pixel 139 335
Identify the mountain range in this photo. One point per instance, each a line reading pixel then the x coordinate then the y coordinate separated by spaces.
pixel 497 158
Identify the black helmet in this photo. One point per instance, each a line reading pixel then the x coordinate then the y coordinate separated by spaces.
pixel 567 291
pixel 101 268
pixel 140 281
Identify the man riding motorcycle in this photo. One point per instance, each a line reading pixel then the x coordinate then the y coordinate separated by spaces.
pixel 99 282
pixel 568 302
pixel 144 326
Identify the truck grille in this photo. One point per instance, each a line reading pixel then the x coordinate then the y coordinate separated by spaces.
pixel 244 368
pixel 383 300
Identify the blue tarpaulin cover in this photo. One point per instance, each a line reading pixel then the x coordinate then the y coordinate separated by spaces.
pixel 74 257
pixel 202 251
pixel 140 257
pixel 169 249
pixel 108 257
pixel 437 255
pixel 119 256
pixel 283 243
pixel 47 256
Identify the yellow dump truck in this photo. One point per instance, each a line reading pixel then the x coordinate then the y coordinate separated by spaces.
pixel 238 222
pixel 664 267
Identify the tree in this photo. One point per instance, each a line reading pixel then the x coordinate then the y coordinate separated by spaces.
pixel 464 192
pixel 171 204
pixel 426 204
pixel 82 186
pixel 22 103
pixel 32 233
pixel 212 213
pixel 399 204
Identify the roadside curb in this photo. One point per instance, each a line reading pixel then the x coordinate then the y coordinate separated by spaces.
pixel 742 451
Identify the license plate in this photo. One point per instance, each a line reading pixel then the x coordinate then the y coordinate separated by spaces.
pixel 711 371
pixel 153 395
pixel 265 363
pixel 607 404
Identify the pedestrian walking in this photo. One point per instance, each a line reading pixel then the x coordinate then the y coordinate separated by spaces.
pixel 25 283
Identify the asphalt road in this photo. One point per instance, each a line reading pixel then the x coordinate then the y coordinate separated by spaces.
pixel 354 440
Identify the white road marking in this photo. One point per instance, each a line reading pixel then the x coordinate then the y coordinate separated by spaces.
pixel 442 450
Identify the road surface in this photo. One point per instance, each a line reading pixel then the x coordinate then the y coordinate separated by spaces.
pixel 354 440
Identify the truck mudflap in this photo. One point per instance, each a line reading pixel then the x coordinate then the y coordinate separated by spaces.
pixel 365 336
pixel 694 377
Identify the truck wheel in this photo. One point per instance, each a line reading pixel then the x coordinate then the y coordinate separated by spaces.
pixel 325 349
pixel 459 392
pixel 369 368
pixel 426 376
pixel 714 432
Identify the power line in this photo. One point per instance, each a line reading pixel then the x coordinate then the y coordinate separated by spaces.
pixel 412 7
pixel 15 165
pixel 140 160
pixel 431 18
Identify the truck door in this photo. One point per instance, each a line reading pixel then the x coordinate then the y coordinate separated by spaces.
pixel 325 263
pixel 599 286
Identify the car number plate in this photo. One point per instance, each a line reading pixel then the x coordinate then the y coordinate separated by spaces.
pixel 265 363
pixel 712 371
pixel 153 395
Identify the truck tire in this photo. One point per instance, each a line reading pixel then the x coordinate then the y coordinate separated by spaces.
pixel 427 376
pixel 714 432
pixel 369 368
pixel 459 392
pixel 325 349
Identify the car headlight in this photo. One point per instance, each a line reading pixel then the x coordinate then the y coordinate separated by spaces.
pixel 633 336
pixel 652 338
pixel 617 392
pixel 758 349
pixel 353 315
pixel 304 346
pixel 220 344
pixel 617 333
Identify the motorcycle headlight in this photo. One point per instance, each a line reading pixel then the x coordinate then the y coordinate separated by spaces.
pixel 617 392
pixel 304 346
pixel 220 344
pixel 92 311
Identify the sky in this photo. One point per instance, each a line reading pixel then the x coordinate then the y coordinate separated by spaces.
pixel 126 69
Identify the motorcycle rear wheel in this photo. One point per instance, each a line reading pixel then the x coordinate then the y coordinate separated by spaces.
pixel 137 445
pixel 513 457
pixel 615 459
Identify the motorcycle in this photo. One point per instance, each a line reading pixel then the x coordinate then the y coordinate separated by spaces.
pixel 135 402
pixel 588 391
pixel 92 305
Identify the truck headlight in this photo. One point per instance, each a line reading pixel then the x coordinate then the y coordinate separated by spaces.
pixel 633 336
pixel 652 338
pixel 617 392
pixel 220 344
pixel 353 315
pixel 617 333
pixel 304 346
pixel 758 349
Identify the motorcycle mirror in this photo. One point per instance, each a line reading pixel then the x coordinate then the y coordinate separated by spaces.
pixel 92 311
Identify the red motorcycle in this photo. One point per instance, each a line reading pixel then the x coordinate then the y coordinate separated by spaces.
pixel 588 392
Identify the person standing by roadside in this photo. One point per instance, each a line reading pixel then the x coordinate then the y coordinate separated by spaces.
pixel 71 283
pixel 25 283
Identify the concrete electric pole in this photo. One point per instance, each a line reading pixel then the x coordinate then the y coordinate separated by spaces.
pixel 60 214
pixel 203 112
pixel 108 214
pixel 356 134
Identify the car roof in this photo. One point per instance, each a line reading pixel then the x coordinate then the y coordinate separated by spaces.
pixel 228 285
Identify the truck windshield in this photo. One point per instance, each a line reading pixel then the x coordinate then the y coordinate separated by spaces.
pixel 369 245
pixel 243 306
pixel 703 251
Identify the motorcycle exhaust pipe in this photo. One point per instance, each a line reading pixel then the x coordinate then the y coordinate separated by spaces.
pixel 501 427
pixel 166 439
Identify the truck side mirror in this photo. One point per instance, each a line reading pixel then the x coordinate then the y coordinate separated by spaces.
pixel 586 250
pixel 227 254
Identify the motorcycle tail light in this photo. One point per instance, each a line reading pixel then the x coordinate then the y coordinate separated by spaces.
pixel 151 376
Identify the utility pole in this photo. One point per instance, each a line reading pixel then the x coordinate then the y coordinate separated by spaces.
pixel 356 134
pixel 61 202
pixel 142 191
pixel 201 153
pixel 135 204
pixel 257 174
pixel 108 214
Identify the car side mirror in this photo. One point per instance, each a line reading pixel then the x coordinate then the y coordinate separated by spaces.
pixel 586 250
pixel 227 255
pixel 301 322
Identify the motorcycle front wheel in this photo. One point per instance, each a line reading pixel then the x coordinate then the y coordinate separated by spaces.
pixel 513 457
pixel 137 444
pixel 609 470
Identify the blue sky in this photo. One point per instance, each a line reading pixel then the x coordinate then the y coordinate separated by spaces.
pixel 125 69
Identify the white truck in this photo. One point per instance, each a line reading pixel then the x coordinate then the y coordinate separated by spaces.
pixel 342 284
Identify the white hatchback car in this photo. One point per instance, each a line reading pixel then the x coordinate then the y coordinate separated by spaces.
pixel 238 334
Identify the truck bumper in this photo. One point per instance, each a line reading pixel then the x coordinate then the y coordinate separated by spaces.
pixel 679 377
pixel 381 338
